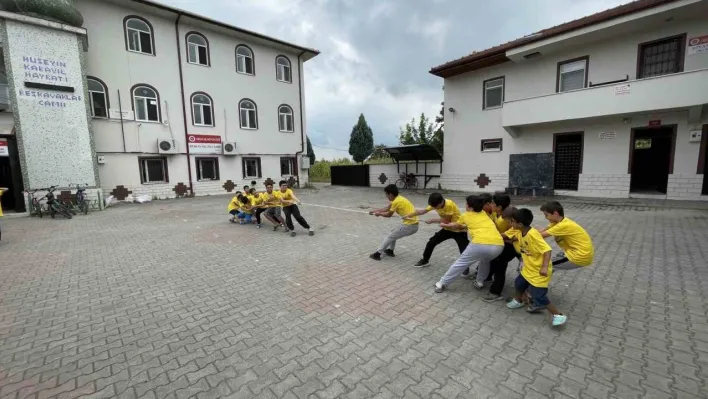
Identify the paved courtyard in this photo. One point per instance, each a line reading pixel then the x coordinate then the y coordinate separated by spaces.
pixel 170 300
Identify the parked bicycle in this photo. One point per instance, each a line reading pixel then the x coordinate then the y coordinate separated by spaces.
pixel 53 205
pixel 407 181
pixel 81 204
pixel 35 203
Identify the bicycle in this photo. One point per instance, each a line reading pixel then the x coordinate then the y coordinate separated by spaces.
pixel 81 202
pixel 53 205
pixel 407 181
pixel 35 204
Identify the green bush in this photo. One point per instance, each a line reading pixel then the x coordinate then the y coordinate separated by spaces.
pixel 319 172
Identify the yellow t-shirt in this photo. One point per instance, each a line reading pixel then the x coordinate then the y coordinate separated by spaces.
pixel 1 204
pixel 449 213
pixel 287 196
pixel 271 200
pixel 502 225
pixel 481 228
pixel 257 200
pixel 402 207
pixel 574 240
pixel 234 204
pixel 532 247
pixel 246 207
pixel 512 232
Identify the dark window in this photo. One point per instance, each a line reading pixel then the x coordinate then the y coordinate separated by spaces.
pixel 99 98
pixel 138 34
pixel 661 57
pixel 491 145
pixel 572 74
pixel 146 104
pixel 197 49
pixel 153 170
pixel 202 110
pixel 244 60
pixel 493 95
pixel 285 118
pixel 251 167
pixel 248 114
pixel 282 69
pixel 207 169
pixel 287 166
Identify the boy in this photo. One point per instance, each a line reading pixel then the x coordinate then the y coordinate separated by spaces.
pixel 536 271
pixel 245 215
pixel 572 238
pixel 257 202
pixel 485 243
pixel 449 213
pixel 402 207
pixel 234 207
pixel 488 210
pixel 290 202
pixel 271 200
pixel 502 219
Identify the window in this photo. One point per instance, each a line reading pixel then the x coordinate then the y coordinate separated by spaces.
pixel 207 169
pixel 251 168
pixel 146 104
pixel 248 114
pixel 202 110
pixel 493 93
pixel 244 60
pixel 287 166
pixel 138 35
pixel 285 119
pixel 282 69
pixel 99 98
pixel 197 49
pixel 153 170
pixel 572 75
pixel 661 57
pixel 491 145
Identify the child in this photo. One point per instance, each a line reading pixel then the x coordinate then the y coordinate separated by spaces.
pixel 245 215
pixel 402 207
pixel 488 210
pixel 449 213
pixel 486 243
pixel 234 207
pixel 290 202
pixel 271 200
pixel 2 190
pixel 537 269
pixel 258 206
pixel 572 238
pixel 502 213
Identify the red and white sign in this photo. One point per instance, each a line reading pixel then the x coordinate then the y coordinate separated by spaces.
pixel 4 149
pixel 204 144
pixel 656 122
pixel 698 44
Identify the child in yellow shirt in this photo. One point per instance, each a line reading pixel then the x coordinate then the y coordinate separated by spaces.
pixel 401 206
pixel 536 271
pixel 2 190
pixel 233 207
pixel 570 236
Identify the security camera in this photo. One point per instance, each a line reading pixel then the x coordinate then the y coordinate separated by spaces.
pixel 451 109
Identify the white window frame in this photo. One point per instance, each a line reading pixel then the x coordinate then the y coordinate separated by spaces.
pixel 200 167
pixel 145 178
pixel 245 57
pixel 283 119
pixel 197 46
pixel 128 30
pixel 573 66
pixel 202 109
pixel 282 69
pixel 291 166
pixel 485 88
pixel 245 171
pixel 485 142
pixel 91 94
pixel 245 123
pixel 146 99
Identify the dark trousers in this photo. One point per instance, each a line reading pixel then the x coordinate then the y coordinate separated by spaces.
pixel 498 268
pixel 444 235
pixel 293 211
pixel 258 214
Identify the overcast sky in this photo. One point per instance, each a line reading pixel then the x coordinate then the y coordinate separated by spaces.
pixel 376 54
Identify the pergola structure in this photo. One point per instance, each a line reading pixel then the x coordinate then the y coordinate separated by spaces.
pixel 417 153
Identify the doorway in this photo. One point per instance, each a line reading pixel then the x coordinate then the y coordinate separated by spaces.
pixel 568 153
pixel 651 159
pixel 11 175
pixel 702 163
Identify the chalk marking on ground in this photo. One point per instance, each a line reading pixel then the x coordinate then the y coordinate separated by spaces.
pixel 339 209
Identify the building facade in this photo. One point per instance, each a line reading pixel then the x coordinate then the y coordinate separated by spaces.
pixel 145 99
pixel 616 100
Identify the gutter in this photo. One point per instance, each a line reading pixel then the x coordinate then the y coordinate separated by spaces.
pixel 184 103
pixel 300 65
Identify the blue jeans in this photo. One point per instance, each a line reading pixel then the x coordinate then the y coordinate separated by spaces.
pixel 538 295
pixel 247 217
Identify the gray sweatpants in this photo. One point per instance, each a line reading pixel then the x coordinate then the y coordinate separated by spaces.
pixel 473 253
pixel 399 232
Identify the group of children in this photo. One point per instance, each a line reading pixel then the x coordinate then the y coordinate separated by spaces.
pixel 247 207
pixel 491 233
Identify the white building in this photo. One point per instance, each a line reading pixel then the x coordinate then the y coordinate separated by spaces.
pixel 619 99
pixel 165 102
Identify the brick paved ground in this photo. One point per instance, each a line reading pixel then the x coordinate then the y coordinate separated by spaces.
pixel 171 300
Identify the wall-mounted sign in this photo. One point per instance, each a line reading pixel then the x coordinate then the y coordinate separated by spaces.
pixel 695 136
pixel 4 149
pixel 698 44
pixel 116 114
pixel 623 89
pixel 204 144
pixel 642 144
pixel 656 122
pixel 607 135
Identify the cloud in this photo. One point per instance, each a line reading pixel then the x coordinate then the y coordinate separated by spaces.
pixel 376 53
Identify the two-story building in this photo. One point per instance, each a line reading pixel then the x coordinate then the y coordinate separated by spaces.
pixel 616 99
pixel 176 103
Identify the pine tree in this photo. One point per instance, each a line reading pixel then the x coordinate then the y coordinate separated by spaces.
pixel 438 139
pixel 310 151
pixel 361 142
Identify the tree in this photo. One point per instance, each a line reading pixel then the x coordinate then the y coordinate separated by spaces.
pixel 310 151
pixel 438 139
pixel 379 153
pixel 361 142
pixel 416 133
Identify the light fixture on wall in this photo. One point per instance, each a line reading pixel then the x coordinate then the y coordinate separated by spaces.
pixel 451 110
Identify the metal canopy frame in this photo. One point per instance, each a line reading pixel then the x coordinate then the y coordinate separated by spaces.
pixel 416 153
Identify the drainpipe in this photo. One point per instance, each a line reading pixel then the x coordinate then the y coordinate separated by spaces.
pixel 184 103
pixel 302 123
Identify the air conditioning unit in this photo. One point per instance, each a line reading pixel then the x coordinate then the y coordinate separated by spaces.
pixel 230 148
pixel 305 162
pixel 166 146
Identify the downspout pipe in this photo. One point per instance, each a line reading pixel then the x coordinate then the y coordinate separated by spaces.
pixel 184 103
pixel 302 123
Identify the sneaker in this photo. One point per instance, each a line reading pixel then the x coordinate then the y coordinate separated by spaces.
pixel 514 304
pixel 466 273
pixel 292 234
pixel 232 220
pixel 559 319
pixel 285 229
pixel 389 252
pixel 422 263
pixel 375 256
pixel 492 298
pixel 470 275
pixel 478 285
pixel 275 228
pixel 258 225
pixel 440 287
pixel 532 308
pixel 311 233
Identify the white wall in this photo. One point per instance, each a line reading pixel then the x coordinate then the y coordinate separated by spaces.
pixel 392 173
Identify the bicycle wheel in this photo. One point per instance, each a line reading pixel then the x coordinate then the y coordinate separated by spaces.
pixel 85 207
pixel 37 210
pixel 400 183
pixel 52 211
pixel 413 184
pixel 64 211
pixel 69 206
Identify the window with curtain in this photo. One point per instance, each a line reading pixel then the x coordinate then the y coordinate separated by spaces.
pixel 572 75
pixel 202 110
pixel 248 114
pixel 146 104
pixel 244 60
pixel 493 93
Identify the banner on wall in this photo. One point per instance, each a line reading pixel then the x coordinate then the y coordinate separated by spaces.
pixel 4 149
pixel 698 44
pixel 204 144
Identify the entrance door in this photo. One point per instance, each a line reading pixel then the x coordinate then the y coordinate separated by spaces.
pixel 568 150
pixel 10 175
pixel 651 159
pixel 703 155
